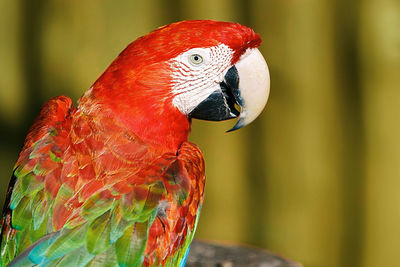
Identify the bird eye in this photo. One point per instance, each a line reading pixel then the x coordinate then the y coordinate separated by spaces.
pixel 196 59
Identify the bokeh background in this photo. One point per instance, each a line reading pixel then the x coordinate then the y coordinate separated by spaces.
pixel 316 178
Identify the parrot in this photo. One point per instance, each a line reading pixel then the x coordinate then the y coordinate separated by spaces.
pixel 114 181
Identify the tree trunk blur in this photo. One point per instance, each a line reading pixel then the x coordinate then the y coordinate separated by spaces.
pixel 380 69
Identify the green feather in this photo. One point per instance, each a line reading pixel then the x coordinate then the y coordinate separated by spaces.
pixel 22 214
pixel 36 234
pixel 22 241
pixel 30 185
pixel 98 234
pixel 119 224
pixel 96 206
pixel 54 157
pixel 21 170
pixel 64 194
pixel 106 259
pixel 40 209
pixel 16 195
pixel 8 254
pixel 67 241
pixel 131 245
pixel 77 258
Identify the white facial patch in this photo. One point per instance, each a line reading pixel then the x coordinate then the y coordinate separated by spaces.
pixel 197 73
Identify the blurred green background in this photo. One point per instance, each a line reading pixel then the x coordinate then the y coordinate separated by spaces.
pixel 316 178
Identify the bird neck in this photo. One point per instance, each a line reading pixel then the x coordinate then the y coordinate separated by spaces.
pixel 148 114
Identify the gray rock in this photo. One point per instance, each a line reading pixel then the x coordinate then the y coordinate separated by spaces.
pixel 205 254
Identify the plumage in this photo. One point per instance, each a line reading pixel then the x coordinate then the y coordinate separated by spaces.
pixel 114 181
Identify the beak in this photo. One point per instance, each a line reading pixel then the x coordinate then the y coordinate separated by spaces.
pixel 245 84
pixel 253 89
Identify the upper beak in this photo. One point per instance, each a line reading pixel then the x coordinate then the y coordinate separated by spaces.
pixel 245 84
pixel 253 87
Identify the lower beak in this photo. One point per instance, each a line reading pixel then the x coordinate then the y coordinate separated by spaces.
pixel 246 84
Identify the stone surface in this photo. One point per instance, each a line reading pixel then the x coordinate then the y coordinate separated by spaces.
pixel 205 254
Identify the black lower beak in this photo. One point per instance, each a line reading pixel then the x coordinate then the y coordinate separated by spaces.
pixel 220 105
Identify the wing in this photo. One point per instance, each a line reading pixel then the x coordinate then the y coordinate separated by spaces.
pixel 173 230
pixel 38 162
pixel 89 193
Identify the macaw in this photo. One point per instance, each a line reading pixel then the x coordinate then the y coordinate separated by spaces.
pixel 114 181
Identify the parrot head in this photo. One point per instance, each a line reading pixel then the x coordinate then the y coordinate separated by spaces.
pixel 201 69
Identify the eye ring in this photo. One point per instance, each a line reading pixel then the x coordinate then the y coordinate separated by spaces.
pixel 196 59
